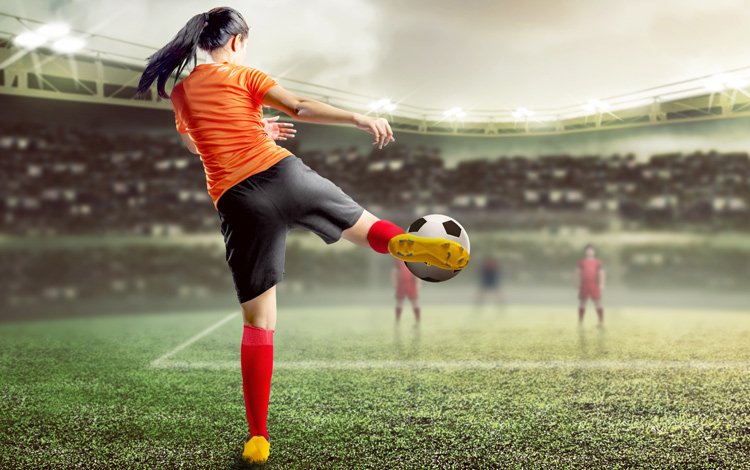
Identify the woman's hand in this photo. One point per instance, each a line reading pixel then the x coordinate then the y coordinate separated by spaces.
pixel 278 130
pixel 378 127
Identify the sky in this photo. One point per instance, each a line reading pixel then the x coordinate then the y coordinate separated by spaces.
pixel 476 54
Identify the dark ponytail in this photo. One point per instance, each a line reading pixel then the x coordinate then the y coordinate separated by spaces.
pixel 208 31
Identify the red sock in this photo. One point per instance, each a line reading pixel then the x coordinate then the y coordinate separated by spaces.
pixel 381 233
pixel 256 358
pixel 398 313
pixel 581 311
pixel 600 314
pixel 416 313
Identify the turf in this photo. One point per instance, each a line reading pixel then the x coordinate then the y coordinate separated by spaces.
pixel 520 387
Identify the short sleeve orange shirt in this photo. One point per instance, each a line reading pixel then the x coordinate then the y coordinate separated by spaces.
pixel 220 106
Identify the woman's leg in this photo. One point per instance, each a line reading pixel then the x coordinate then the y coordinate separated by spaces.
pixel 256 360
pixel 380 235
pixel 357 233
pixel 261 311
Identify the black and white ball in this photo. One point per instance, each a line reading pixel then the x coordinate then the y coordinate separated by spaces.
pixel 441 226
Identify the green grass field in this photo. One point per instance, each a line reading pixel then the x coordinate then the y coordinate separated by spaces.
pixel 522 387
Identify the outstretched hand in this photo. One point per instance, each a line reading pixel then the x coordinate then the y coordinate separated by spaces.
pixel 378 127
pixel 278 130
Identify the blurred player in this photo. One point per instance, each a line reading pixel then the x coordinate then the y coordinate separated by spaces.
pixel 261 190
pixel 407 286
pixel 490 277
pixel 591 279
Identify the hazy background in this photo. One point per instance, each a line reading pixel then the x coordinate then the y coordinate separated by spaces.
pixel 104 210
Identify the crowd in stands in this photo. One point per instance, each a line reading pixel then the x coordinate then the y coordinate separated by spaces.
pixel 72 180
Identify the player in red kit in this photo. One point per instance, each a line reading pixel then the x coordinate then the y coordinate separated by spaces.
pixel 591 279
pixel 407 286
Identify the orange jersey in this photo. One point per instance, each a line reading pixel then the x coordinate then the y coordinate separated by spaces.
pixel 220 106
pixel 590 268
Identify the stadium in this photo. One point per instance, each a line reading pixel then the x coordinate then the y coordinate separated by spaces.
pixel 120 327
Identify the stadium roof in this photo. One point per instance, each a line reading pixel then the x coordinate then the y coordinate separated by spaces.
pixel 448 65
pixel 483 54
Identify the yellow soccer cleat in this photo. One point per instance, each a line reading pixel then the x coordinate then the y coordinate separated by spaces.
pixel 257 450
pixel 439 252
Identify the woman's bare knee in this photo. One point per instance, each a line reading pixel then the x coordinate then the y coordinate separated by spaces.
pixel 261 311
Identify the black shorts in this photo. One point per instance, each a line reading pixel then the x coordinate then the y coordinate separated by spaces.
pixel 257 213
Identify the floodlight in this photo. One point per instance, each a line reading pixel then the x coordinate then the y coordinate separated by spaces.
pixel 29 40
pixel 53 30
pixel 522 113
pixel 454 112
pixel 596 106
pixel 383 104
pixel 68 45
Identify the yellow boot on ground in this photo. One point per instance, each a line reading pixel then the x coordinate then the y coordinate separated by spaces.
pixel 257 450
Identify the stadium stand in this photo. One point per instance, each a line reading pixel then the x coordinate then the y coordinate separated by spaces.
pixel 68 180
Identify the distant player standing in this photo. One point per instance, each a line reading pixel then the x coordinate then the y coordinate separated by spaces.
pixel 490 276
pixel 591 279
pixel 407 286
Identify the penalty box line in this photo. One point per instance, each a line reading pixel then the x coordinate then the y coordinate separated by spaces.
pixel 592 364
pixel 158 363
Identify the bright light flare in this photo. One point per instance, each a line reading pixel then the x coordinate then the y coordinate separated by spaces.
pixel 53 30
pixel 29 40
pixel 384 104
pixel 522 113
pixel 68 45
pixel 596 106
pixel 454 113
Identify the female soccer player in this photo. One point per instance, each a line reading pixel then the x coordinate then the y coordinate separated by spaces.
pixel 261 190
pixel 591 279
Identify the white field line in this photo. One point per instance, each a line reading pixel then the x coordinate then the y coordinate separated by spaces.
pixel 158 362
pixel 334 364
pixel 463 365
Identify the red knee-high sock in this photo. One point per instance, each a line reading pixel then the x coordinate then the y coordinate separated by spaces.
pixel 398 313
pixel 256 358
pixel 416 313
pixel 381 233
pixel 600 314
pixel 581 312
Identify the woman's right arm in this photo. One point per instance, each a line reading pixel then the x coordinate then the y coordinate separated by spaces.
pixel 309 110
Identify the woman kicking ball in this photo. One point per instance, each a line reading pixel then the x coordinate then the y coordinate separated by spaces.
pixel 260 190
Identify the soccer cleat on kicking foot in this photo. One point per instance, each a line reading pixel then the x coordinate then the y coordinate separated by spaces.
pixel 440 252
pixel 256 450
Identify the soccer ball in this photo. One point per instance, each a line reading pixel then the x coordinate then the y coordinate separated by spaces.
pixel 440 226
